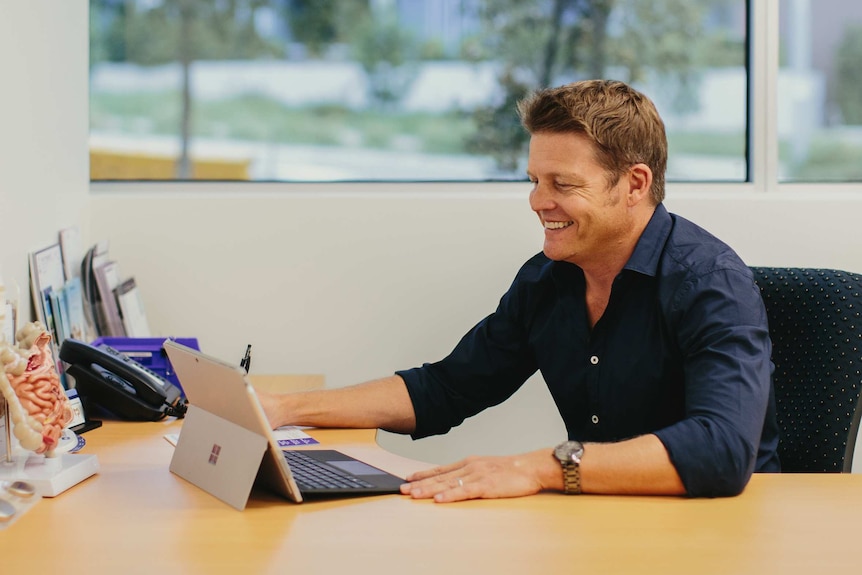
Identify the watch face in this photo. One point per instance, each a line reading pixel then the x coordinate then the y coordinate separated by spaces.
pixel 569 451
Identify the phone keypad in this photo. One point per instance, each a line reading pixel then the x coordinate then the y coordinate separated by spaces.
pixel 133 364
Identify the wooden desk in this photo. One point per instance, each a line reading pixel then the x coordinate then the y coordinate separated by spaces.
pixel 137 517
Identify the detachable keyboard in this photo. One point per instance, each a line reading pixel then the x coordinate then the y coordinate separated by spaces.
pixel 312 474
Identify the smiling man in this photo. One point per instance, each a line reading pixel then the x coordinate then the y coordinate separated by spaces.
pixel 649 332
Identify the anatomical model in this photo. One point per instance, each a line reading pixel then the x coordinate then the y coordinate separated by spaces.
pixel 29 381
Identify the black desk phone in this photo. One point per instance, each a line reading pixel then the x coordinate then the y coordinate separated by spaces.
pixel 119 384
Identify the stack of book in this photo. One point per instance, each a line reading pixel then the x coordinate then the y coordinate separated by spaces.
pixel 56 289
pixel 112 302
pixel 82 295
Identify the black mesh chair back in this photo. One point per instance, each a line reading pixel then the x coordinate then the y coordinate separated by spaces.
pixel 815 322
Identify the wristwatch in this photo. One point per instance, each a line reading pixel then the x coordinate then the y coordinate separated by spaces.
pixel 569 454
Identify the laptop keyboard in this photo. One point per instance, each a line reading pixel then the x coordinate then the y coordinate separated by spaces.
pixel 312 474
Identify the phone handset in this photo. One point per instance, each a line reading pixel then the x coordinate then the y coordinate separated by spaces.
pixel 125 374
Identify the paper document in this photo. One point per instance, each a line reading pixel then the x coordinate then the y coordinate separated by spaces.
pixel 287 436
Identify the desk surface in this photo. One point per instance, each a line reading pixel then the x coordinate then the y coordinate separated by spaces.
pixel 137 517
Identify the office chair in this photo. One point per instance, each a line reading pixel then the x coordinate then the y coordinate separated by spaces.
pixel 815 322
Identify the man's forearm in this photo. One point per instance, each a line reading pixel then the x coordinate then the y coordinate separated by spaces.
pixel 636 466
pixel 382 403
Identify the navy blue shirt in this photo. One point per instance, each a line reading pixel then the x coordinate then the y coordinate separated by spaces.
pixel 682 351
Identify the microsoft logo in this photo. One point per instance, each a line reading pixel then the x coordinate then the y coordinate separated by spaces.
pixel 214 453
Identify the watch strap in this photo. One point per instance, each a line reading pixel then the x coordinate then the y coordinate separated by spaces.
pixel 569 454
pixel 572 478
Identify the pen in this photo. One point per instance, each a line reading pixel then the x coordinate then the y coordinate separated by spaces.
pixel 245 362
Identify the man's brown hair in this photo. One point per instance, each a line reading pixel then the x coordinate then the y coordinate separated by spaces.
pixel 622 123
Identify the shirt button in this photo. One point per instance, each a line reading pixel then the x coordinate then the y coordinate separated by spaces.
pixel 594 419
pixel 594 359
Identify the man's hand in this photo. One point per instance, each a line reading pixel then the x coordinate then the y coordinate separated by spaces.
pixel 487 478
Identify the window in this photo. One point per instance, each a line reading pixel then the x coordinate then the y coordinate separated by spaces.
pixel 820 91
pixel 376 90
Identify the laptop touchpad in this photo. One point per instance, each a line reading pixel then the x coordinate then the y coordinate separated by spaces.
pixel 356 468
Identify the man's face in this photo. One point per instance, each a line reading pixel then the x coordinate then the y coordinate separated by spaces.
pixel 585 221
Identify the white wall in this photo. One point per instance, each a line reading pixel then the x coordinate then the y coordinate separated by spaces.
pixel 44 178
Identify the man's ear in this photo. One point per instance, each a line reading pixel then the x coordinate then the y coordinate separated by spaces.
pixel 640 182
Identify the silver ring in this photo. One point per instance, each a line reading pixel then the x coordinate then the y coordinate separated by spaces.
pixel 460 482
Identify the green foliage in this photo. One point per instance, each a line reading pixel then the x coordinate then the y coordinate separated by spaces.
pixel 381 41
pixel 153 36
pixel 718 50
pixel 659 38
pixel 830 160
pixel 540 43
pixel 98 48
pixel 385 52
pixel 848 76
pixel 139 37
pixel 260 119
pixel 707 144
pixel 518 33
pixel 432 50
pixel 658 35
pixel 498 129
pixel 314 23
pixel 150 113
pixel 107 32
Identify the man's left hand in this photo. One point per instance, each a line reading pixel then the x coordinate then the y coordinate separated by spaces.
pixel 486 478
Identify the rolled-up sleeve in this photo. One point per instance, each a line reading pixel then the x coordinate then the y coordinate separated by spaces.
pixel 722 331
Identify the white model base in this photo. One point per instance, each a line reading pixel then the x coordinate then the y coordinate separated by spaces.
pixel 50 475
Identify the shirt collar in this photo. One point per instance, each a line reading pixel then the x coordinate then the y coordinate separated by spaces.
pixel 649 248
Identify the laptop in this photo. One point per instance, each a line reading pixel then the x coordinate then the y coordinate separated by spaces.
pixel 227 447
